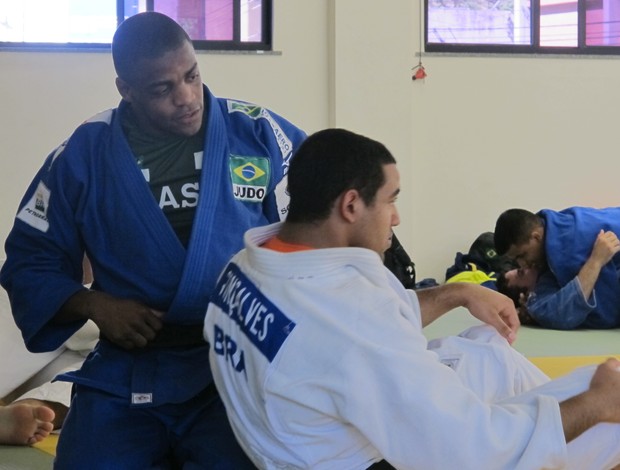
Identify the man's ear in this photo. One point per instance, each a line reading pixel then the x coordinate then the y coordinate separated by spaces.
pixel 124 89
pixel 349 205
pixel 538 234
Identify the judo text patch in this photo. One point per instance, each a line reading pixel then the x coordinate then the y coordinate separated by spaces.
pixel 250 177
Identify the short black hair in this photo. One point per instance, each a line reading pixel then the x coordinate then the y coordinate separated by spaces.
pixel 514 227
pixel 147 35
pixel 328 163
pixel 512 292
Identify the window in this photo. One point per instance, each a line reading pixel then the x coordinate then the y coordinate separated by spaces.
pixel 529 26
pixel 78 24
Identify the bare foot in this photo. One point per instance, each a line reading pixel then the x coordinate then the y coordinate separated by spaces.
pixel 25 422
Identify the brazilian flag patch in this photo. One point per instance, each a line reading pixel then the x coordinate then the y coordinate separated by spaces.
pixel 250 177
pixel 248 109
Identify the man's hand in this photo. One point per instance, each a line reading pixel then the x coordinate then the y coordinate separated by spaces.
pixel 127 323
pixel 605 247
pixel 494 309
pixel 485 304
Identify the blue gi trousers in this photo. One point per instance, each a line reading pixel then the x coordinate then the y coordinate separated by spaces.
pixel 190 436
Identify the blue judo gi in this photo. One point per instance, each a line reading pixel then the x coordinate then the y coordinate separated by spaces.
pixel 557 301
pixel 91 197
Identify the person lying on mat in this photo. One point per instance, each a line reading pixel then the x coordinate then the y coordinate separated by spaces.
pixel 573 277
pixel 319 356
pixel 31 417
pixel 518 284
pixel 28 421
pixel 541 301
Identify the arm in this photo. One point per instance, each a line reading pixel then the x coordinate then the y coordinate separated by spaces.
pixel 485 304
pixel 45 254
pixel 560 308
pixel 44 250
pixel 566 307
pixel 605 247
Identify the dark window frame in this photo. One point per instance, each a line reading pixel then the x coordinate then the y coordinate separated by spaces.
pixel 235 44
pixel 533 48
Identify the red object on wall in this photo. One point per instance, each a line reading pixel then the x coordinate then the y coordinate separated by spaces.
pixel 419 73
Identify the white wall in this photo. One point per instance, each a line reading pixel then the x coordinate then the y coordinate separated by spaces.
pixel 479 135
pixel 373 51
pixel 491 133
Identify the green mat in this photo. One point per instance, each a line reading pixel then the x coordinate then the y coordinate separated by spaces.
pixel 536 342
pixel 24 458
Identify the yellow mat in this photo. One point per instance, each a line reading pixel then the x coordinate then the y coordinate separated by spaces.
pixel 560 365
pixel 48 444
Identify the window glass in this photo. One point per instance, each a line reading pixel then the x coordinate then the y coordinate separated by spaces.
pixel 558 23
pixel 212 24
pixel 57 21
pixel 536 26
pixel 219 23
pixel 208 20
pixel 603 23
pixel 251 20
pixel 479 22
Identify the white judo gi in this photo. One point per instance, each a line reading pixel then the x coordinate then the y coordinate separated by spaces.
pixel 321 362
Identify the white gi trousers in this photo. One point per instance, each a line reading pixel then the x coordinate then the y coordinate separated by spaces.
pixel 496 372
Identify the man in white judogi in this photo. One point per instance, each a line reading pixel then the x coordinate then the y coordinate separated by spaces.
pixel 318 352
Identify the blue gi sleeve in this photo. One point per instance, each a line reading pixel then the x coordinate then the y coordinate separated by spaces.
pixel 562 308
pixel 44 256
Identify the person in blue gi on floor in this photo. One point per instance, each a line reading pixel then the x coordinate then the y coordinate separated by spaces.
pixel 569 274
pixel 157 193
